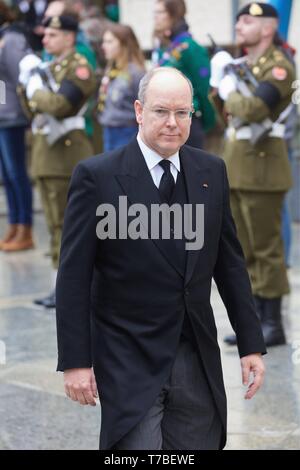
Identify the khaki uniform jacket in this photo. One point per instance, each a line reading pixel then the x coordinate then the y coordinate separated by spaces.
pixel 264 166
pixel 76 82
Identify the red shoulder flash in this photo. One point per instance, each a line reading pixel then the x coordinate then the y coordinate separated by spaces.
pixel 279 73
pixel 82 73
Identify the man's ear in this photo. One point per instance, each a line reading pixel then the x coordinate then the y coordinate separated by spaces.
pixel 138 111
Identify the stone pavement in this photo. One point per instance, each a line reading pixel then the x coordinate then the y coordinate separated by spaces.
pixel 34 414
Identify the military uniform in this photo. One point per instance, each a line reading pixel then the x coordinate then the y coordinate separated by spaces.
pixel 52 165
pixel 259 174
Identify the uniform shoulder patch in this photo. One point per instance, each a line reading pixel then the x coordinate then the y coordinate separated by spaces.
pixel 279 73
pixel 82 72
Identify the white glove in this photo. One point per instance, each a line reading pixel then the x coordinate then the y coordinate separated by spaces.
pixel 218 63
pixel 26 65
pixel 35 83
pixel 227 85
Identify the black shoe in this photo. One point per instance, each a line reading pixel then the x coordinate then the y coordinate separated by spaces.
pixel 271 323
pixel 40 301
pixel 48 302
pixel 230 339
pixel 51 301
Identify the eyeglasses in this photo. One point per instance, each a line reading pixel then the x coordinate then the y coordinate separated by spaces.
pixel 163 114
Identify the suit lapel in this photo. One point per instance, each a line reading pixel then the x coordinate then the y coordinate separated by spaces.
pixel 198 184
pixel 137 183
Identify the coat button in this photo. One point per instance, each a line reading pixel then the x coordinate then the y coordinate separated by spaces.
pixel 67 142
pixel 262 154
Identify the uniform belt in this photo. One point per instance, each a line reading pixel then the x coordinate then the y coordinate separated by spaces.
pixel 245 133
pixel 68 124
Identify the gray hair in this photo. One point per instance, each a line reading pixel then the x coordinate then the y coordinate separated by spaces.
pixel 144 83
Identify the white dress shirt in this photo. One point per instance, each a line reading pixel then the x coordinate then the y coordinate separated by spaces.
pixel 152 160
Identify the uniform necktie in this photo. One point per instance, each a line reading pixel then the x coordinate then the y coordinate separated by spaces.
pixel 167 183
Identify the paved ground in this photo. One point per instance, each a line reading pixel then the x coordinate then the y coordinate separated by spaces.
pixel 34 414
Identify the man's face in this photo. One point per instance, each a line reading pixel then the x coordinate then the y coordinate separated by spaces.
pixel 162 20
pixel 160 128
pixel 248 31
pixel 56 41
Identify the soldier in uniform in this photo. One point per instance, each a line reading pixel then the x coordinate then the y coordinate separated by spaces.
pixel 259 172
pixel 55 95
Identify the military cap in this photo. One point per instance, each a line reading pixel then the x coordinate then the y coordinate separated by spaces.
pixel 259 10
pixel 63 22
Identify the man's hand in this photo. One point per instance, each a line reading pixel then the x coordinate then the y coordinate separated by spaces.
pixel 80 385
pixel 252 363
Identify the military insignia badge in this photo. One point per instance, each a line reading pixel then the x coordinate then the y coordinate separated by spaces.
pixel 55 22
pixel 279 73
pixel 255 10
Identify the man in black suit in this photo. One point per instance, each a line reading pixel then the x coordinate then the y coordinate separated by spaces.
pixel 133 310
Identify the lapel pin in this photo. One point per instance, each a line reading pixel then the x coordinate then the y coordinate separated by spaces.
pixel 205 185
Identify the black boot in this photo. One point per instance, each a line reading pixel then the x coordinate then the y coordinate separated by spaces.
pixel 271 322
pixel 48 302
pixel 231 339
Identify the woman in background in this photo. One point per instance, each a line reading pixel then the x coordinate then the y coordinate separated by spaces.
pixel 119 86
pixel 13 47
pixel 177 48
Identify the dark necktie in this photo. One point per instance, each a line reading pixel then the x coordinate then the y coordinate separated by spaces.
pixel 167 182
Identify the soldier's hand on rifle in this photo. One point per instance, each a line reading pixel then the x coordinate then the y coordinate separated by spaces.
pixel 26 66
pixel 218 64
pixel 227 85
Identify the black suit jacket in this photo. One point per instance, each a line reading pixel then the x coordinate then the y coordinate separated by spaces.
pixel 121 303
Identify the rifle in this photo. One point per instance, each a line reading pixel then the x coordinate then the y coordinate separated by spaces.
pixel 240 72
pixel 57 128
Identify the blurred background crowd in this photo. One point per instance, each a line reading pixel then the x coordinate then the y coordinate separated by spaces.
pixel 73 67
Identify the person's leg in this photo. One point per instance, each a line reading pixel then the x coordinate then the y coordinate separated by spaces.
pixel 287 219
pixel 7 170
pixel 53 193
pixel 146 435
pixel 190 420
pixel 269 280
pixel 24 189
pixel 286 230
pixel 13 144
pixel 268 273
pixel 57 189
